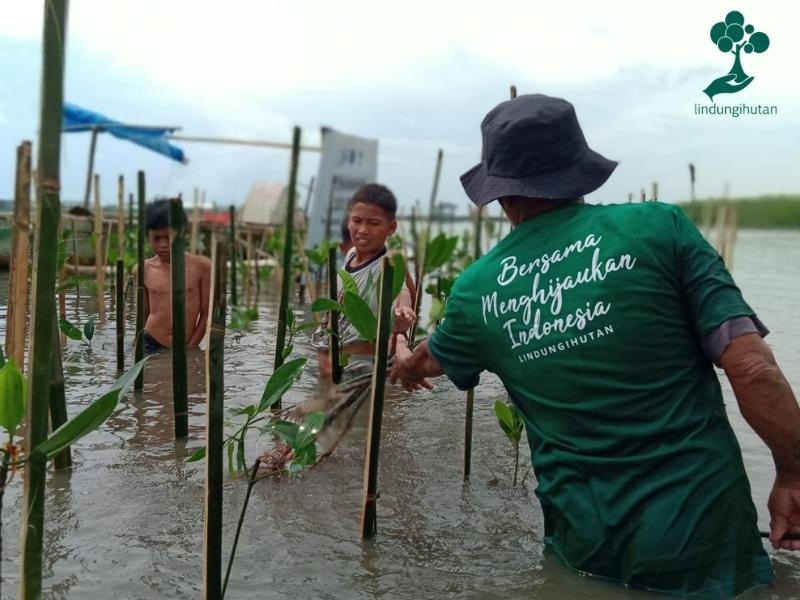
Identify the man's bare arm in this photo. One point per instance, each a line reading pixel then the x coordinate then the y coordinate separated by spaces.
pixel 205 299
pixel 768 404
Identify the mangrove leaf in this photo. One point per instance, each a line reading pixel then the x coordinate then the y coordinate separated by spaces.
pixel 91 417
pixel 361 316
pixel 398 275
pixel 70 330
pixel 199 454
pixel 326 304
pixel 12 397
pixel 88 329
pixel 280 382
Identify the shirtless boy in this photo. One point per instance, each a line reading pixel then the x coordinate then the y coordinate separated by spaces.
pixel 158 286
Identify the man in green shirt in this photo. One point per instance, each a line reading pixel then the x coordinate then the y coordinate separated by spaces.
pixel 604 323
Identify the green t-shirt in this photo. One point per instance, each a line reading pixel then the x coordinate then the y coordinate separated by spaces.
pixel 592 317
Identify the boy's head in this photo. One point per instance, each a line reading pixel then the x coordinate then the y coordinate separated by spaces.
pixel 157 224
pixel 371 219
pixel 347 241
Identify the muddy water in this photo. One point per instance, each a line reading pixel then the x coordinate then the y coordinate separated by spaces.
pixel 127 522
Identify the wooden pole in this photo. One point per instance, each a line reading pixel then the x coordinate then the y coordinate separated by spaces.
pixel 247 272
pixel 195 221
pixel 691 181
pixel 333 284
pixel 215 388
pixel 234 253
pixel 58 399
pixel 130 211
pixel 655 191
pixel 180 399
pixel 99 262
pixel 17 315
pixel 119 290
pixel 468 433
pixel 369 522
pixel 48 207
pixel 90 168
pixel 435 189
pixel 139 353
pixel 62 277
pixel 287 252
pixel 74 237
pixel 121 218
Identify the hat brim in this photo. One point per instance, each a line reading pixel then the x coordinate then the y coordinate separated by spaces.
pixel 578 179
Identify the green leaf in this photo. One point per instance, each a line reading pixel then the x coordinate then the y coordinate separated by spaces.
pixel 308 430
pixel 287 351
pixel 249 410
pixel 348 283
pixel 437 310
pixel 88 329
pixel 306 326
pixel 91 417
pixel 12 397
pixel 505 418
pixel 361 316
pixel 286 430
pixel 199 454
pixel 281 380
pixel 70 330
pixel 73 281
pixel 290 318
pixel 398 275
pixel 326 304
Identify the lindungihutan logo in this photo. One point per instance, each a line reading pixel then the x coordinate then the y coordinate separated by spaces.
pixel 733 36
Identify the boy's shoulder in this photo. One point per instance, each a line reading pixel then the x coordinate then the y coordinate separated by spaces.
pixel 198 259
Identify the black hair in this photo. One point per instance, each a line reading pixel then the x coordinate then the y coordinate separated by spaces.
pixel 346 230
pixel 377 195
pixel 157 214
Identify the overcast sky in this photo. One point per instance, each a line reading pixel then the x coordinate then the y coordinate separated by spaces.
pixel 416 75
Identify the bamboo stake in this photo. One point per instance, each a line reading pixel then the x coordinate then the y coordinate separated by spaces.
pixel 215 373
pixel 74 237
pixel 99 262
pixel 435 189
pixel 333 284
pixel 130 211
pixel 195 221
pixel 17 315
pixel 48 208
pixel 369 522
pixel 691 181
pixel 468 433
pixel 121 217
pixel 58 400
pixel 119 289
pixel 234 252
pixel 90 169
pixel 247 272
pixel 139 353
pixel 180 400
pixel 62 276
pixel 471 393
pixel 287 252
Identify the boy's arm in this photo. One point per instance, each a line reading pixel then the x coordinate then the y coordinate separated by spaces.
pixel 205 299
pixel 404 315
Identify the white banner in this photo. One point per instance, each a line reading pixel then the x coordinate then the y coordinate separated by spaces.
pixel 347 163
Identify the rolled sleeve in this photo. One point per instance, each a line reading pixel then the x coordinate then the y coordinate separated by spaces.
pixel 715 343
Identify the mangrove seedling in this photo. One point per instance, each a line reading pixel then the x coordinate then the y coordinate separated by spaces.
pixel 74 333
pixel 512 425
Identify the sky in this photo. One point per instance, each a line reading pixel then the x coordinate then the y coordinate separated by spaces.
pixel 417 76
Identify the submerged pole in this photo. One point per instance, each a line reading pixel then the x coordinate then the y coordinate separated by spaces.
pixel 17 314
pixel 119 290
pixel 45 262
pixel 287 252
pixel 180 401
pixel 215 374
pixel 468 433
pixel 369 521
pixel 333 284
pixel 139 352
pixel 234 252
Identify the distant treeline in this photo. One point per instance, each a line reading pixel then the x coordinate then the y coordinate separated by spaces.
pixel 761 212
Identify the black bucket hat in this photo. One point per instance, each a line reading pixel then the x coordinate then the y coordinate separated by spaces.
pixel 533 146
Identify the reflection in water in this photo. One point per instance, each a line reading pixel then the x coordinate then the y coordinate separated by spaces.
pixel 128 521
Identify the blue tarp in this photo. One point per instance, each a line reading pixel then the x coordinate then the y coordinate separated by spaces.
pixel 153 138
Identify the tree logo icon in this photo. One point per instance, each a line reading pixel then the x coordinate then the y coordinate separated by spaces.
pixel 733 36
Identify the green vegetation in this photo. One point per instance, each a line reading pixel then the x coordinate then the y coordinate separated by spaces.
pixel 761 212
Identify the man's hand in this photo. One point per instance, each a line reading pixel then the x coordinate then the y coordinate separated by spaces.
pixel 404 317
pixel 412 369
pixel 784 510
